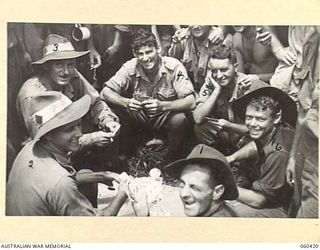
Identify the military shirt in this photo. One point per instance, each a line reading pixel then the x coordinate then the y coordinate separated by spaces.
pixel 42 183
pixel 171 82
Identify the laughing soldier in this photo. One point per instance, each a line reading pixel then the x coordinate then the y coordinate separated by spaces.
pixel 42 181
pixel 57 72
pixel 151 92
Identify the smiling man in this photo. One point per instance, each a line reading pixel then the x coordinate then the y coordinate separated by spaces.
pixel 57 72
pixel 194 46
pixel 151 92
pixel 266 111
pixel 43 181
pixel 205 182
pixel 214 126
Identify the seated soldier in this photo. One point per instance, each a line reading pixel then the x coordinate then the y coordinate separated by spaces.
pixel 57 72
pixel 151 92
pixel 268 114
pixel 205 182
pixel 254 59
pixel 42 181
pixel 193 48
pixel 212 115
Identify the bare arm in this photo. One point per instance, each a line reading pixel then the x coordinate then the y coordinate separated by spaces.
pixel 203 109
pixel 113 97
pixel 248 151
pixel 251 198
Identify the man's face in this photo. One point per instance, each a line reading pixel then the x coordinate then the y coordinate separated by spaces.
pixel 200 31
pixel 147 56
pixel 222 71
pixel 239 28
pixel 66 138
pixel 195 190
pixel 61 71
pixel 259 122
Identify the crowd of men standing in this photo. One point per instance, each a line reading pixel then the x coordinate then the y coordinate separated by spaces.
pixel 248 95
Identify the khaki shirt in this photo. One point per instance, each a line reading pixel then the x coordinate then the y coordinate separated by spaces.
pixel 171 82
pixel 42 183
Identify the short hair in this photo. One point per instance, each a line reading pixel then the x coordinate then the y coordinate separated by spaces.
pixel 143 38
pixel 263 103
pixel 223 51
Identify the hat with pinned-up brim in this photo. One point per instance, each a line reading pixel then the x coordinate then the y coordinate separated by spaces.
pixel 215 159
pixel 58 48
pixel 53 109
pixel 260 88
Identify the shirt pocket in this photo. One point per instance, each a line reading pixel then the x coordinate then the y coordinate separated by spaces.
pixel 166 94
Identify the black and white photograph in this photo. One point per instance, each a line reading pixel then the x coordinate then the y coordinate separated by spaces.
pixel 162 120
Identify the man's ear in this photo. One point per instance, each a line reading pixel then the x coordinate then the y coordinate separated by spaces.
pixel 236 67
pixel 278 117
pixel 217 192
pixel 134 53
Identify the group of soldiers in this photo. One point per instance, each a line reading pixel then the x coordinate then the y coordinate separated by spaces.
pixel 237 107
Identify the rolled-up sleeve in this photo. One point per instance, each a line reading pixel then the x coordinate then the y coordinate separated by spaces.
pixel 205 92
pixel 66 200
pixel 272 180
pixel 119 83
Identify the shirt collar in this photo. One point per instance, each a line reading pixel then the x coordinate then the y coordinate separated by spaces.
pixel 63 159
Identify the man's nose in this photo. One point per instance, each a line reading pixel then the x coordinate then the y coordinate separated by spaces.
pixel 253 122
pixel 184 192
pixel 66 70
pixel 144 57
pixel 77 131
pixel 219 74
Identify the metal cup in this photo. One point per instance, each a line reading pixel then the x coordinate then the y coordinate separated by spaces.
pixel 80 33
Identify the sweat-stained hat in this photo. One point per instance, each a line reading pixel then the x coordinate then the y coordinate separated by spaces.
pixel 53 109
pixel 260 88
pixel 58 48
pixel 205 154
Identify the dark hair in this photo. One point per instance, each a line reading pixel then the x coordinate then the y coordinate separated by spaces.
pixel 143 38
pixel 223 51
pixel 265 103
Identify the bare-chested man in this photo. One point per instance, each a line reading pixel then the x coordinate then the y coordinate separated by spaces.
pixel 253 57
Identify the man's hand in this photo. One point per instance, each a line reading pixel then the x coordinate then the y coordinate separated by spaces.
pixel 95 58
pixel 101 138
pixel 245 82
pixel 219 124
pixel 217 86
pixel 140 205
pixel 179 34
pixel 291 171
pixel 113 127
pixel 286 55
pixel 152 106
pixel 110 54
pixel 216 36
pixel 134 105
pixel 264 37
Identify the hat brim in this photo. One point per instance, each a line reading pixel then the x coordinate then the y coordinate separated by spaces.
pixel 61 55
pixel 73 112
pixel 231 190
pixel 288 106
